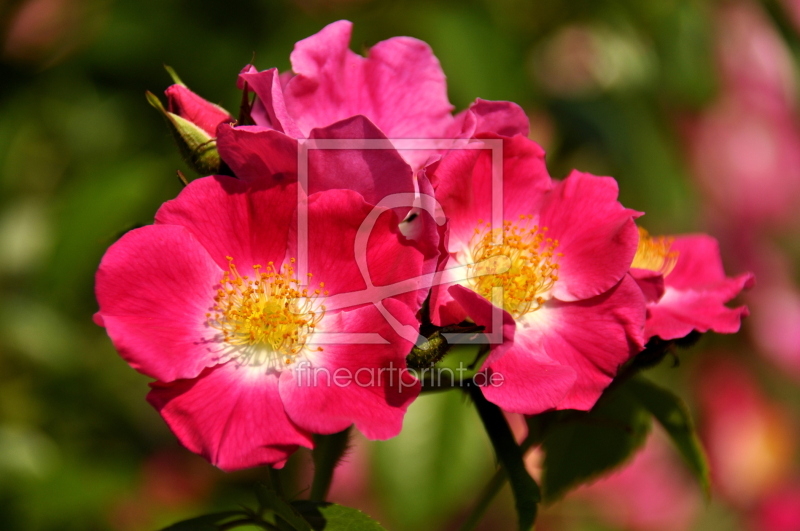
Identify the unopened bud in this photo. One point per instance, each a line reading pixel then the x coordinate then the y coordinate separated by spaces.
pixel 198 148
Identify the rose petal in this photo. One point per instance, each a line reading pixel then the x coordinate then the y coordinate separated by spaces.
pixel 465 183
pixel 385 256
pixel 202 113
pixel 650 282
pixel 502 118
pixel 374 173
pixel 679 312
pixel 248 222
pixel 525 380
pixel 255 152
pixel 155 286
pixel 594 337
pixel 232 415
pixel 270 108
pixel 351 383
pixel 399 86
pixel 597 235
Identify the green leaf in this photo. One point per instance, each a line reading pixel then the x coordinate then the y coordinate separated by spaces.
pixel 270 500
pixel 581 446
pixel 333 517
pixel 672 413
pixel 525 490
pixel 207 522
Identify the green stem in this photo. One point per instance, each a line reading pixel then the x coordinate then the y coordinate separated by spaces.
pixel 509 454
pixel 536 430
pixel 653 353
pixel 328 451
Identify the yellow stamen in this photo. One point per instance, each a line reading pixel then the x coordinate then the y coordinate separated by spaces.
pixel 533 269
pixel 270 313
pixel 654 254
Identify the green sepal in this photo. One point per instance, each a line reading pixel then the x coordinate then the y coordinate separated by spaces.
pixel 174 76
pixel 197 147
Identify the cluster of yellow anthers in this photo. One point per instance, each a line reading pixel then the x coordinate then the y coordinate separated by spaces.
pixel 654 254
pixel 532 271
pixel 268 310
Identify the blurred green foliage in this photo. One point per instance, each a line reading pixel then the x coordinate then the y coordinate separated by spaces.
pixel 83 159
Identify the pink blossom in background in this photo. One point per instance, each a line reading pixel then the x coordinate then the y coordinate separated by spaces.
pixel 745 149
pixel 653 492
pixel 686 288
pixel 778 511
pixel 176 301
pixel 36 28
pixel 776 326
pixel 749 439
pixel 45 32
pixel 747 161
pixel 775 301
pixel 754 60
pixel 570 245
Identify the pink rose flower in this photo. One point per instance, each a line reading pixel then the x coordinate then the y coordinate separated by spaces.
pixel 208 302
pixel 685 285
pixel 399 88
pixel 571 314
pixel 397 92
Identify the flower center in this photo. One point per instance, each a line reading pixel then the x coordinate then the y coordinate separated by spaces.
pixel 268 318
pixel 653 253
pixel 532 271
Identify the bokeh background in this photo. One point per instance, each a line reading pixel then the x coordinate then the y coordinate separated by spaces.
pixel 690 104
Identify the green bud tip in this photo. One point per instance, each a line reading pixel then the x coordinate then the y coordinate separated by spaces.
pixel 174 76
